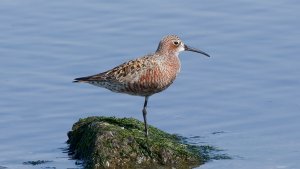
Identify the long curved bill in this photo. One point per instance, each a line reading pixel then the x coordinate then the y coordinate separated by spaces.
pixel 187 48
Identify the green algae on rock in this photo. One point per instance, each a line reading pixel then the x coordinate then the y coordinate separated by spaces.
pixel 109 142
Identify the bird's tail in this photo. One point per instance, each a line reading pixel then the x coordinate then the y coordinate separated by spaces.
pixel 97 77
pixel 81 79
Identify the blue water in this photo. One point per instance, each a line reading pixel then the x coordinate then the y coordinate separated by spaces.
pixel 245 99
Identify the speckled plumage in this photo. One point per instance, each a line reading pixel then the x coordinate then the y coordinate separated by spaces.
pixel 146 75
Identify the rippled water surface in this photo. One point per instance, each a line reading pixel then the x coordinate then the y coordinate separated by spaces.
pixel 245 99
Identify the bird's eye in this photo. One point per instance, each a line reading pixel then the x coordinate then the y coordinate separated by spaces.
pixel 176 43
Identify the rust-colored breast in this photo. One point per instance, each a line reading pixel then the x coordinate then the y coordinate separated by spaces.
pixel 154 78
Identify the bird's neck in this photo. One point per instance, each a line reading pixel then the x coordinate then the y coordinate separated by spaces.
pixel 170 60
pixel 167 54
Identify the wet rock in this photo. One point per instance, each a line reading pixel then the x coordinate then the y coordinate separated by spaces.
pixel 109 142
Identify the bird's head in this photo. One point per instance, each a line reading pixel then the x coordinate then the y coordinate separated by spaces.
pixel 172 44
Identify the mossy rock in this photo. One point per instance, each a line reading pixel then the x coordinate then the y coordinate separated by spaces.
pixel 109 142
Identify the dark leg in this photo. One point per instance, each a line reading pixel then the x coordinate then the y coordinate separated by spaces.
pixel 145 116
